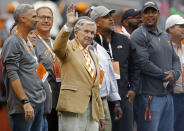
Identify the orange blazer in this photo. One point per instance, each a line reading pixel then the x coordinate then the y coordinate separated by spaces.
pixel 77 84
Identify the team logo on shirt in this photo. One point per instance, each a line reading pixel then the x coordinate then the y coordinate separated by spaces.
pixel 49 55
pixel 169 42
pixel 119 46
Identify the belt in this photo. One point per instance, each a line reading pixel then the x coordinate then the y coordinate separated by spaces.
pixel 103 98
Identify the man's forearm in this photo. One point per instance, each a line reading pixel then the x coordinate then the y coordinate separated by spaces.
pixel 18 89
pixel 60 43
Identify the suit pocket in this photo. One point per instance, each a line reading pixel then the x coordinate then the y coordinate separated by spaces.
pixel 72 89
pixel 69 88
pixel 67 95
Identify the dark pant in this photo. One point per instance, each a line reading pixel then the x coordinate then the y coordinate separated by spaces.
pixel 18 122
pixel 178 112
pixel 126 122
pixel 52 119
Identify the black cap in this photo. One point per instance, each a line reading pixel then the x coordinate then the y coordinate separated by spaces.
pixel 130 12
pixel 150 4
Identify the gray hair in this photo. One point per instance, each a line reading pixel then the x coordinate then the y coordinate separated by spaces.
pixel 44 7
pixel 20 10
pixel 84 21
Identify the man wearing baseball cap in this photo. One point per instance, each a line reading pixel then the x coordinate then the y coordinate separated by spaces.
pixel 175 27
pixel 100 11
pixel 160 68
pixel 119 48
pixel 130 21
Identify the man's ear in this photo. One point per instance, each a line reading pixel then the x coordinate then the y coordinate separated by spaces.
pixel 169 30
pixel 76 32
pixel 141 14
pixel 98 22
pixel 158 13
pixel 125 22
pixel 22 19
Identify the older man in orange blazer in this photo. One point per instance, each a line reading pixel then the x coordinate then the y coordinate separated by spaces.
pixel 79 100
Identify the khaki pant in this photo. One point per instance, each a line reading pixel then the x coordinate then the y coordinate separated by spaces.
pixel 108 124
pixel 69 121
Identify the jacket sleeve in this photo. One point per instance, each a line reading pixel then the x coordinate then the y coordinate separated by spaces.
pixel 176 65
pixel 114 94
pixel 142 55
pixel 134 70
pixel 60 44
pixel 11 57
pixel 101 109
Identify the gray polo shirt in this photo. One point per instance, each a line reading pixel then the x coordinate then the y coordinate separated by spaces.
pixel 19 64
pixel 156 55
pixel 44 56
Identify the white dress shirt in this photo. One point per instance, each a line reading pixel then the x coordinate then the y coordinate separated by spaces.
pixel 179 88
pixel 124 32
pixel 109 87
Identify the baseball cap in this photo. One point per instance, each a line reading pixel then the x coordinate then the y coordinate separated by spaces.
pixel 174 20
pixel 81 6
pixel 150 4
pixel 129 12
pixel 100 11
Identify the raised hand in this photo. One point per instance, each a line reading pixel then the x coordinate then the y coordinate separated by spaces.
pixel 71 16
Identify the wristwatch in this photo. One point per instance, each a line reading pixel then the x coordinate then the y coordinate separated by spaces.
pixel 24 101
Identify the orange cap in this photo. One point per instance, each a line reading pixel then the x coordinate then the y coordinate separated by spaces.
pixel 11 7
pixel 82 6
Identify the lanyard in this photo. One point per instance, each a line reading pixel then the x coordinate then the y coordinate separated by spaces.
pixel 110 50
pixel 45 43
pixel 33 51
pixel 24 42
pixel 101 39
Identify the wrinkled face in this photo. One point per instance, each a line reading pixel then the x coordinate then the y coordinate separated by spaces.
pixel 30 19
pixel 32 37
pixel 45 20
pixel 106 22
pixel 85 35
pixel 177 32
pixel 150 17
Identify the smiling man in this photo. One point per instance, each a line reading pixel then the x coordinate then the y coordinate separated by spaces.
pixel 175 27
pixel 45 55
pixel 79 100
pixel 160 68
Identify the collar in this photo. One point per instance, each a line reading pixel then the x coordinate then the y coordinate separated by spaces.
pixel 156 32
pixel 124 31
pixel 177 47
pixel 93 46
pixel 80 46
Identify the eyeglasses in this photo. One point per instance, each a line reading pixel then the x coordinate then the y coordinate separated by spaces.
pixel 49 18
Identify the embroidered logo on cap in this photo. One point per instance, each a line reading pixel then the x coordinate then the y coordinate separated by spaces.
pixel 149 3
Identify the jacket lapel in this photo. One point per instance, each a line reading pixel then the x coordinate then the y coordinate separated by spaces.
pixel 82 59
pixel 80 55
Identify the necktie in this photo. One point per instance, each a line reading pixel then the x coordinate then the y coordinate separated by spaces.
pixel 90 65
